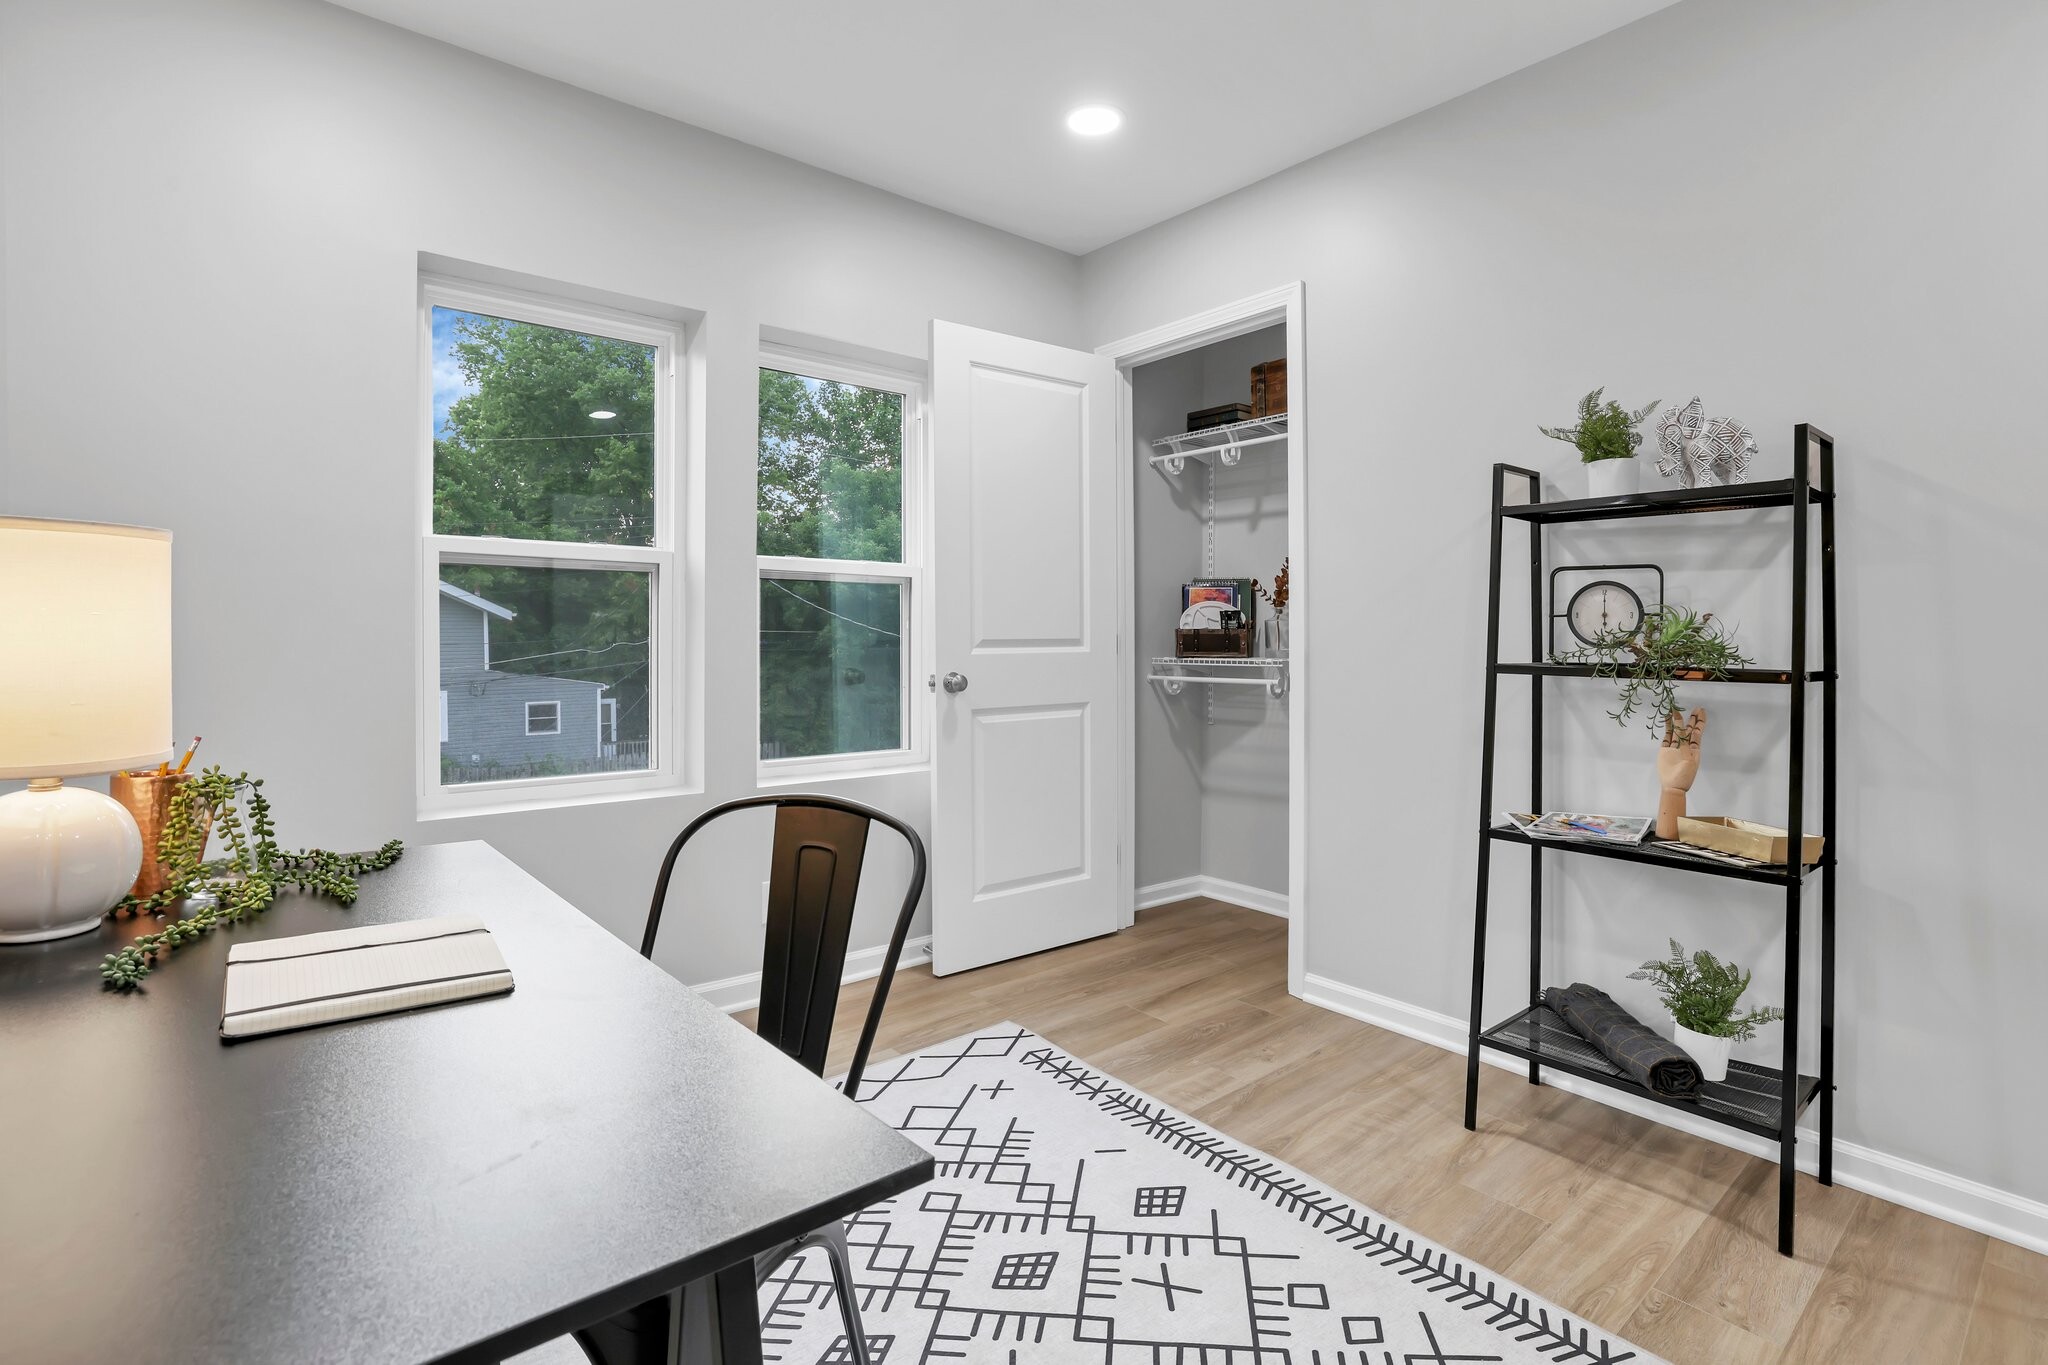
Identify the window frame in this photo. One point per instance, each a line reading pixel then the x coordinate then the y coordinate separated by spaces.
pixel 910 572
pixel 661 562
pixel 532 733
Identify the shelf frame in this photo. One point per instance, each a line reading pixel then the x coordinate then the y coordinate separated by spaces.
pixel 1517 496
pixel 1654 853
pixel 1740 497
pixel 1540 1037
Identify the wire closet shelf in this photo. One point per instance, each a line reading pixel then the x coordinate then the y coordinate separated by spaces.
pixel 1224 444
pixel 1270 674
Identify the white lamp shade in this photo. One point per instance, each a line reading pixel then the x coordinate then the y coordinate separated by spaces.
pixel 85 647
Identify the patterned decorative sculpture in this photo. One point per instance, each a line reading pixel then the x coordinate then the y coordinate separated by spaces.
pixel 1703 454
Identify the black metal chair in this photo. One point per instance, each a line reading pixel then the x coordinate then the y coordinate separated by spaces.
pixel 814 874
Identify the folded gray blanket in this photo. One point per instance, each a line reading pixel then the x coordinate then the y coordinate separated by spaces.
pixel 1654 1061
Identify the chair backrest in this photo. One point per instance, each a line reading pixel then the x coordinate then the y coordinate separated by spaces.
pixel 814 875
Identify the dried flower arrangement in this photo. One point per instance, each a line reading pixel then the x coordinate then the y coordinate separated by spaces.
pixel 1276 596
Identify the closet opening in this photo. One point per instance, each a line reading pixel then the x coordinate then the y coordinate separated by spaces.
pixel 1214 637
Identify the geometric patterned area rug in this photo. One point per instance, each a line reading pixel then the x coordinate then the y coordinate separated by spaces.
pixel 1074 1219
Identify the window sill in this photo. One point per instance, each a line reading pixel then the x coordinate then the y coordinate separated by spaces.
pixel 805 773
pixel 514 800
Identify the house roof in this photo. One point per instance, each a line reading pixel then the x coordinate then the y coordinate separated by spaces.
pixel 470 599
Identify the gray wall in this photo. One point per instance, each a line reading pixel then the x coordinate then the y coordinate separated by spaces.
pixel 1212 762
pixel 1166 552
pixel 232 195
pixel 1244 766
pixel 1831 212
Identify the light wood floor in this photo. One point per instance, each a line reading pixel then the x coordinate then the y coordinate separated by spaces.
pixel 1666 1239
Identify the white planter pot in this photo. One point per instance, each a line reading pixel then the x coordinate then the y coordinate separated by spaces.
pixel 1710 1052
pixel 1611 478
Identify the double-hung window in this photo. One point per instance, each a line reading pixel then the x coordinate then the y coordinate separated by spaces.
pixel 839 537
pixel 549 563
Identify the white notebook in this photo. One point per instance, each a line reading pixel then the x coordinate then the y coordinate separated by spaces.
pixel 308 979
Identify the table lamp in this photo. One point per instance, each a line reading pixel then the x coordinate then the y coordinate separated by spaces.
pixel 85 687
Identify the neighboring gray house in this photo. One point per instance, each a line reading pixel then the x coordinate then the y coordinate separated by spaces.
pixel 490 717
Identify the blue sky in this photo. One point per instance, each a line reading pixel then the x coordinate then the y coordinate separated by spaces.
pixel 448 381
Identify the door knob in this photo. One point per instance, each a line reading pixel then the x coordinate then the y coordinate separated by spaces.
pixel 956 682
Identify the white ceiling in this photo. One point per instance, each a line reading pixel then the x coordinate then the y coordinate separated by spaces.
pixel 961 104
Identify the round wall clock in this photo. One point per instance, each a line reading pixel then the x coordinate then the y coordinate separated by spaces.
pixel 1602 610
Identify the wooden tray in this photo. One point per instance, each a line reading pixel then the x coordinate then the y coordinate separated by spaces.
pixel 1745 838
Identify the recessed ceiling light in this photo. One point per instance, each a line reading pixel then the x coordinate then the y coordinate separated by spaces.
pixel 1093 120
pixel 603 413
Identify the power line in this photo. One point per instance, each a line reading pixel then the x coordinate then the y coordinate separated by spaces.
pixel 829 612
pixel 580 649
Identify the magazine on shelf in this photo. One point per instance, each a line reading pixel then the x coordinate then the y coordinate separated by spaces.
pixel 1579 828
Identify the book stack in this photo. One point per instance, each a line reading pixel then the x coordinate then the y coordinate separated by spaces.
pixel 1269 389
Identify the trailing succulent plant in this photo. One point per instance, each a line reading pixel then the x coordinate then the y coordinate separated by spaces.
pixel 1702 992
pixel 242 884
pixel 1605 431
pixel 1671 644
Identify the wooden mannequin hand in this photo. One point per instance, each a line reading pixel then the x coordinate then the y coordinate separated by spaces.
pixel 1678 763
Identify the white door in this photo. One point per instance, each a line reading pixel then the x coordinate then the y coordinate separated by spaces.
pixel 1025 764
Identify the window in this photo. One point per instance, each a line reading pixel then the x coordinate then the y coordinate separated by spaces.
pixel 840 552
pixel 549 554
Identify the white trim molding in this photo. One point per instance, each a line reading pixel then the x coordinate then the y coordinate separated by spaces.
pixel 1285 304
pixel 1967 1203
pixel 1215 889
pixel 736 993
pixel 667 561
pixel 826 360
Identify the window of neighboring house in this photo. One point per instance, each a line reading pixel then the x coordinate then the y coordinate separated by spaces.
pixel 608 721
pixel 550 552
pixel 839 540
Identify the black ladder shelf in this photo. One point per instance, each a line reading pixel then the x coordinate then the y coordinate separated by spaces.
pixel 1763 1101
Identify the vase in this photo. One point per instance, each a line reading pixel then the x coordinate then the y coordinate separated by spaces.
pixel 1704 1048
pixel 147 797
pixel 1611 478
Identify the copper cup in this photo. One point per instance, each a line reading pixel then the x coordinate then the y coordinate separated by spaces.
pixel 147 797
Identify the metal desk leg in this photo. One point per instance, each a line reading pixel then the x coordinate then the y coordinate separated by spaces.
pixel 712 1321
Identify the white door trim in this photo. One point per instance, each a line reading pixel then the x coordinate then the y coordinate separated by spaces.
pixel 1284 304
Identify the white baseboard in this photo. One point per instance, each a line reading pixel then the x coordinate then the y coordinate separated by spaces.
pixel 736 993
pixel 1216 889
pixel 1967 1203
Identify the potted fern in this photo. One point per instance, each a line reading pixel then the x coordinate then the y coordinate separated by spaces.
pixel 1702 993
pixel 1607 438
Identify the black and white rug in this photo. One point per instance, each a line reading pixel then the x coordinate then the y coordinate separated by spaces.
pixel 1074 1219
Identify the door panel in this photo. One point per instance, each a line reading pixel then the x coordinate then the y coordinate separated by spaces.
pixel 1031 832
pixel 1025 761
pixel 1026 445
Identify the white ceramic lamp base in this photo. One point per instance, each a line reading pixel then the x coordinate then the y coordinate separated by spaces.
pixel 66 855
